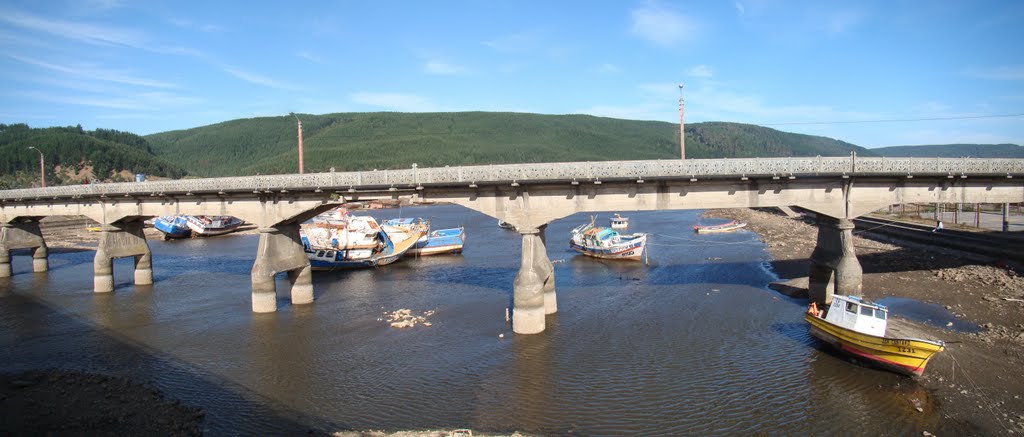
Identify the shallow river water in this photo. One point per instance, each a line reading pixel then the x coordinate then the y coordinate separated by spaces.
pixel 689 342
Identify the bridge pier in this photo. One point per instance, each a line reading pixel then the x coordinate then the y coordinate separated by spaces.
pixel 22 235
pixel 280 250
pixel 533 293
pixel 119 240
pixel 834 266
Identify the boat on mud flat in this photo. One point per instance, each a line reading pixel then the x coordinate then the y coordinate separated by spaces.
pixel 602 242
pixel 173 226
pixel 858 328
pixel 354 242
pixel 505 225
pixel 724 227
pixel 619 222
pixel 440 241
pixel 210 225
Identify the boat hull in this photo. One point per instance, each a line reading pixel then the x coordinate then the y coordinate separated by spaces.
pixel 439 242
pixel 223 226
pixel 901 355
pixel 330 260
pixel 719 228
pixel 176 227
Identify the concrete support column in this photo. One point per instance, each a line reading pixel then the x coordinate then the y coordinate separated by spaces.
pixel 280 250
pixel 550 300
pixel 834 266
pixel 22 235
pixel 528 288
pixel 121 240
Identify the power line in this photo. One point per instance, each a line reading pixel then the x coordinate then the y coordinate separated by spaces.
pixel 894 120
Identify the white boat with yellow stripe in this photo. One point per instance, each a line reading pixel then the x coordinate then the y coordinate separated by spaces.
pixel 857 327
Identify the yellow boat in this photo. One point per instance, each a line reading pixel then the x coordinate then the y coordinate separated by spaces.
pixel 857 327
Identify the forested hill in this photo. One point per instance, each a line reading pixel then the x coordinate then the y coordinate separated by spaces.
pixel 954 151
pixel 74 155
pixel 364 141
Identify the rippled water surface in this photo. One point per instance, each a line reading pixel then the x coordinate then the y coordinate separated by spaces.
pixel 688 342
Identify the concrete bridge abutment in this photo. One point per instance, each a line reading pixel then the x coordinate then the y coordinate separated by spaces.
pixel 120 240
pixel 22 235
pixel 533 293
pixel 834 265
pixel 280 250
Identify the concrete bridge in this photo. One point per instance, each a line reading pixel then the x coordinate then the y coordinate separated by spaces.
pixel 528 196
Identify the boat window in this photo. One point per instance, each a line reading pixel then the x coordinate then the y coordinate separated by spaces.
pixel 866 311
pixel 319 253
pixel 329 254
pixel 880 314
pixel 851 307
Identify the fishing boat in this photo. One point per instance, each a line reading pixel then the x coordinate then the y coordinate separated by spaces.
pixel 724 227
pixel 435 242
pixel 355 242
pixel 505 225
pixel 172 226
pixel 210 225
pixel 619 222
pixel 601 242
pixel 857 327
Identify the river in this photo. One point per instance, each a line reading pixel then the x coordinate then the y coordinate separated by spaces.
pixel 689 342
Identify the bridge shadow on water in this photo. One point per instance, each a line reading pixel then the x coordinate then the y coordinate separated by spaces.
pixel 37 334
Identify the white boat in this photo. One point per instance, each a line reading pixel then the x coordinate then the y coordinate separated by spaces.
pixel 619 222
pixel 352 242
pixel 601 242
pixel 724 227
pixel 505 225
pixel 210 225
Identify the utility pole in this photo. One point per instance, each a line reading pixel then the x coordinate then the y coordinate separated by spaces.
pixel 300 140
pixel 682 130
pixel 42 168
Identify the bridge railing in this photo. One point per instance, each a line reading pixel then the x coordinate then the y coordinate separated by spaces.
pixel 540 172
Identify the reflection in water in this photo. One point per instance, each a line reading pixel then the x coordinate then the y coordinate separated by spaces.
pixel 691 343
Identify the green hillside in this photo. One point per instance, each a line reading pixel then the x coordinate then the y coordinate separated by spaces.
pixel 78 155
pixel 954 151
pixel 363 141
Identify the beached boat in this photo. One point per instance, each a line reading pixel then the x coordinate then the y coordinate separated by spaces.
pixel 210 225
pixel 724 227
pixel 173 226
pixel 601 242
pixel 436 242
pixel 355 242
pixel 619 222
pixel 857 327
pixel 505 225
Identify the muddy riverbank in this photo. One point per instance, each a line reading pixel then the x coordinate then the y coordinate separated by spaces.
pixel 980 377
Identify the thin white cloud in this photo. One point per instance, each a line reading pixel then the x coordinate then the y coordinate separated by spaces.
pixel 516 43
pixel 310 57
pixel 189 24
pixel 395 101
pixel 997 73
pixel 93 73
pixel 700 71
pixel 88 33
pixel 442 68
pixel 607 68
pixel 662 26
pixel 842 21
pixel 99 102
pixel 258 79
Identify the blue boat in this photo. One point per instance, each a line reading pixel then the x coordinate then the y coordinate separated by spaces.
pixel 357 242
pixel 431 243
pixel 173 226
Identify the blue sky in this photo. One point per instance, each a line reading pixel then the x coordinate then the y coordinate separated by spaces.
pixel 149 67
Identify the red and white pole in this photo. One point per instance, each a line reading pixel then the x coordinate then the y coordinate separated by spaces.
pixel 682 130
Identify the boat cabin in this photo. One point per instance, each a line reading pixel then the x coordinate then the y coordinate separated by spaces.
pixel 619 222
pixel 852 312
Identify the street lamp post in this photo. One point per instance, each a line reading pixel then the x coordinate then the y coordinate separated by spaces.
pixel 42 167
pixel 300 140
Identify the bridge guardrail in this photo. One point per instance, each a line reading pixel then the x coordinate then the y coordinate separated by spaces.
pixel 540 172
